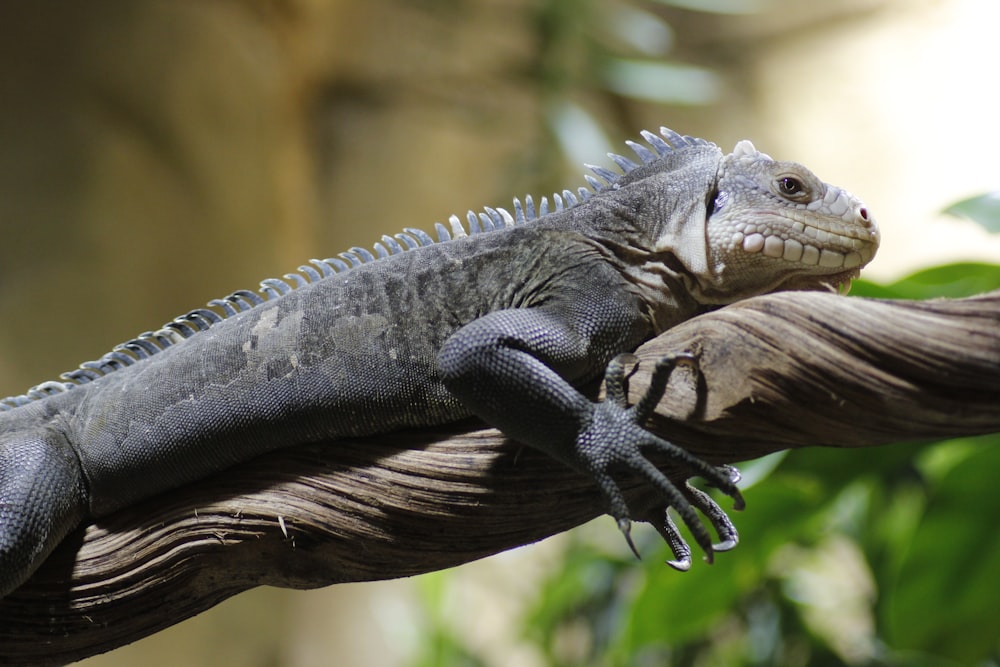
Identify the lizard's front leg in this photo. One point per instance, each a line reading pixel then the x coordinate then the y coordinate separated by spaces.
pixel 516 369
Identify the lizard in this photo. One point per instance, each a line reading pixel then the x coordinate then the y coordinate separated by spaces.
pixel 507 317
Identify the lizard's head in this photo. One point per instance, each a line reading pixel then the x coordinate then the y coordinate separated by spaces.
pixel 775 226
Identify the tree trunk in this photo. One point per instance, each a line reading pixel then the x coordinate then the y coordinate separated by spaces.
pixel 776 372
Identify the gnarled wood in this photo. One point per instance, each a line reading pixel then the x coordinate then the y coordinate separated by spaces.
pixel 805 369
pixel 776 372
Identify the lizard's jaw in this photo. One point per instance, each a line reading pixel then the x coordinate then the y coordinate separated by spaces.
pixel 795 248
pixel 820 248
pixel 846 236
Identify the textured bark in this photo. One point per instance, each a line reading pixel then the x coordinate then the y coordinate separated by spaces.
pixel 806 369
pixel 777 372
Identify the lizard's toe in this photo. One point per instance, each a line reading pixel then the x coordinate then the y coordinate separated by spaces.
pixel 720 521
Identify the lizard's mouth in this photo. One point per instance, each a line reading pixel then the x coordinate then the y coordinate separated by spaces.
pixel 834 282
pixel 797 239
pixel 830 251
pixel 801 254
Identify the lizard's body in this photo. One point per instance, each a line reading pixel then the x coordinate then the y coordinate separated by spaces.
pixel 504 324
pixel 310 362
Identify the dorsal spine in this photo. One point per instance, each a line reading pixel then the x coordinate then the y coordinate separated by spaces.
pixel 489 219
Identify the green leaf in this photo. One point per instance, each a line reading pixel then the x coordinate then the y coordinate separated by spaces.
pixel 945 600
pixel 982 209
pixel 836 468
pixel 662 82
pixel 718 6
pixel 951 280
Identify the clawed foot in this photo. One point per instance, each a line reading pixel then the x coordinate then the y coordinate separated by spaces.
pixel 622 425
pixel 660 519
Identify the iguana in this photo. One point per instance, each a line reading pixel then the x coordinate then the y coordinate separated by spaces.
pixel 506 318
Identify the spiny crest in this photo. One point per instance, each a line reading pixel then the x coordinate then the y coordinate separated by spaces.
pixel 180 328
pixel 745 148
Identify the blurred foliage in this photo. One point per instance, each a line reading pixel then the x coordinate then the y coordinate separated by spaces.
pixel 983 209
pixel 620 50
pixel 952 281
pixel 884 556
pixel 440 643
pixel 616 46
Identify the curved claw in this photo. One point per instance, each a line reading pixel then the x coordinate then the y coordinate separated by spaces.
pixel 726 545
pixel 682 552
pixel 681 564
pixel 728 535
pixel 625 526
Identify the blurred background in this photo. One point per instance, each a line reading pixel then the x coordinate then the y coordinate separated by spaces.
pixel 155 154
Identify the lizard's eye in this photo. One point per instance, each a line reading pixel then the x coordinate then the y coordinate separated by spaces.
pixel 790 187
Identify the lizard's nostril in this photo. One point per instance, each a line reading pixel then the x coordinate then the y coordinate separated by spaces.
pixel 863 214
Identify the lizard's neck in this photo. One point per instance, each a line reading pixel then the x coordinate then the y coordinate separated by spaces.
pixel 666 290
pixel 659 245
pixel 661 280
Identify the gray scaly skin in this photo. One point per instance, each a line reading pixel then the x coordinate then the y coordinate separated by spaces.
pixel 504 318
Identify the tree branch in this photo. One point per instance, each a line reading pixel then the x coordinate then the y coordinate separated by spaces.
pixel 805 369
pixel 776 372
